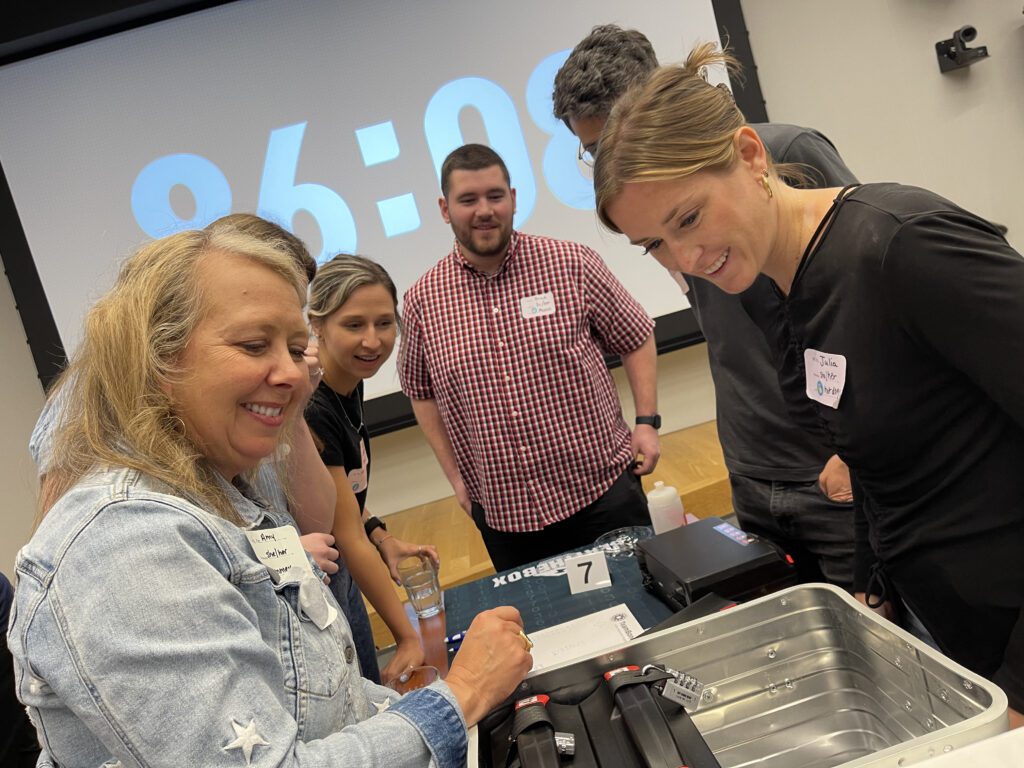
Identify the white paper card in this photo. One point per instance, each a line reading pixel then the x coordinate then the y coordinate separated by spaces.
pixel 281 552
pixel 587 572
pixel 584 637
pixel 826 376
pixel 473 747
pixel 537 306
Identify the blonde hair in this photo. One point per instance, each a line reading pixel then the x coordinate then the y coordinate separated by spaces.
pixel 271 233
pixel 342 276
pixel 118 411
pixel 672 125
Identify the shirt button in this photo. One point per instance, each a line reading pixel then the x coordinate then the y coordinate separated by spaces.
pixel 508 378
pixel 501 343
pixel 350 654
pixel 515 414
pixel 496 310
pixel 522 448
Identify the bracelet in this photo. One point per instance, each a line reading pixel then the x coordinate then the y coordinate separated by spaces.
pixel 372 524
pixel 378 543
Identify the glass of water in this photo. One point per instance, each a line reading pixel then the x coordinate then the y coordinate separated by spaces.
pixel 419 577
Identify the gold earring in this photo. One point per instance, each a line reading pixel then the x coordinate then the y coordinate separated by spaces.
pixel 766 185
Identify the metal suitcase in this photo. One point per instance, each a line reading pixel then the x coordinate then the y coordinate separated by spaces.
pixel 809 678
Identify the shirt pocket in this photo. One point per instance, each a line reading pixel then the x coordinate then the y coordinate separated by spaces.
pixel 317 656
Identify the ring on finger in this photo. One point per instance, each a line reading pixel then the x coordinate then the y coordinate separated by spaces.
pixel 527 642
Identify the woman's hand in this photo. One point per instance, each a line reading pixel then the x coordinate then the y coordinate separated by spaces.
pixel 320 547
pixel 408 654
pixel 492 661
pixel 311 356
pixel 393 550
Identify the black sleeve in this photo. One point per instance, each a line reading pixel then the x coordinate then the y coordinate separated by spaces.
pixel 326 428
pixel 959 287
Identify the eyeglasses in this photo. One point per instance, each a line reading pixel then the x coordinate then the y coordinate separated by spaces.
pixel 587 154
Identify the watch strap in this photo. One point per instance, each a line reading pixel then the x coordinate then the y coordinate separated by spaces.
pixel 372 524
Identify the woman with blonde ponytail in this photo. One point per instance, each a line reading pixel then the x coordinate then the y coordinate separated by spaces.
pixel 896 335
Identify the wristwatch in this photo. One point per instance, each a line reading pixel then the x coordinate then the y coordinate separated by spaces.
pixel 372 524
pixel 651 421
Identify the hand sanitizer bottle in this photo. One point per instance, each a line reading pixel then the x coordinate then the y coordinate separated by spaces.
pixel 666 508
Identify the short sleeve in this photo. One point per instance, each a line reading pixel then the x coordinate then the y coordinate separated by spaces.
pixel 618 322
pixel 327 430
pixel 413 372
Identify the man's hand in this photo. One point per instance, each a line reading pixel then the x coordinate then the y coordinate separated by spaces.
pixel 646 448
pixel 393 550
pixel 320 547
pixel 834 480
pixel 462 496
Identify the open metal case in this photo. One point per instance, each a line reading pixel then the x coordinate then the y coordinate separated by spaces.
pixel 803 678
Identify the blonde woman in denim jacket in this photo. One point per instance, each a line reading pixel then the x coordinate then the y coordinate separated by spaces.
pixel 146 630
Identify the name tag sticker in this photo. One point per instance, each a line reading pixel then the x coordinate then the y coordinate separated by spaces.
pixel 826 376
pixel 281 552
pixel 357 477
pixel 537 306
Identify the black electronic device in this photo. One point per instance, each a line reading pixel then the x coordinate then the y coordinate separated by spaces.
pixel 712 556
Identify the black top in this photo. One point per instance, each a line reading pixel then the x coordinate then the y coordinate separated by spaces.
pixel 925 302
pixel 337 422
pixel 758 436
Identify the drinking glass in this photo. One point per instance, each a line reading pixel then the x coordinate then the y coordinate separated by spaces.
pixel 419 577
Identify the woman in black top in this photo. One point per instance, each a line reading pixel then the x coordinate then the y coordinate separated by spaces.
pixel 354 313
pixel 899 341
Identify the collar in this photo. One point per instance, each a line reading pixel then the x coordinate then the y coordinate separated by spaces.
pixel 513 249
pixel 249 505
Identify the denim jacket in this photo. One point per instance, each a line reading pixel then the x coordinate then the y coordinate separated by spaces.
pixel 146 633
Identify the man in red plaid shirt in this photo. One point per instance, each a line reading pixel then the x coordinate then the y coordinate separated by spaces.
pixel 502 356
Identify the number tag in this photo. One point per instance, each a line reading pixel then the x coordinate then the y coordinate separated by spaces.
pixel 587 572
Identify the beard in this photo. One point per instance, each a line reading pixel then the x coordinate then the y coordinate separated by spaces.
pixel 493 243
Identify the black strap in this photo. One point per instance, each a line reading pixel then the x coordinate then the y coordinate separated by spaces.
pixel 878 586
pixel 527 717
pixel 623 679
pixel 372 524
pixel 692 747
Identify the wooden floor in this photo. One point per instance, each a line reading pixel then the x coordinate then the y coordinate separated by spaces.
pixel 691 460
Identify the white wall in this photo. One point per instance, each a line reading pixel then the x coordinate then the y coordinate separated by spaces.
pixel 21 398
pixel 865 74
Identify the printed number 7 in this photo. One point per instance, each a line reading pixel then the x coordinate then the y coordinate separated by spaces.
pixel 586 572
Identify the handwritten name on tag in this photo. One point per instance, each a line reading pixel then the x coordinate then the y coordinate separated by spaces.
pixel 826 376
pixel 281 552
pixel 537 306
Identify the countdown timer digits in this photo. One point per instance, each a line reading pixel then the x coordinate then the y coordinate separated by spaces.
pixel 280 197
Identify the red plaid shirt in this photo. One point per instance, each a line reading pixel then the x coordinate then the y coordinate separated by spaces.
pixel 514 362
